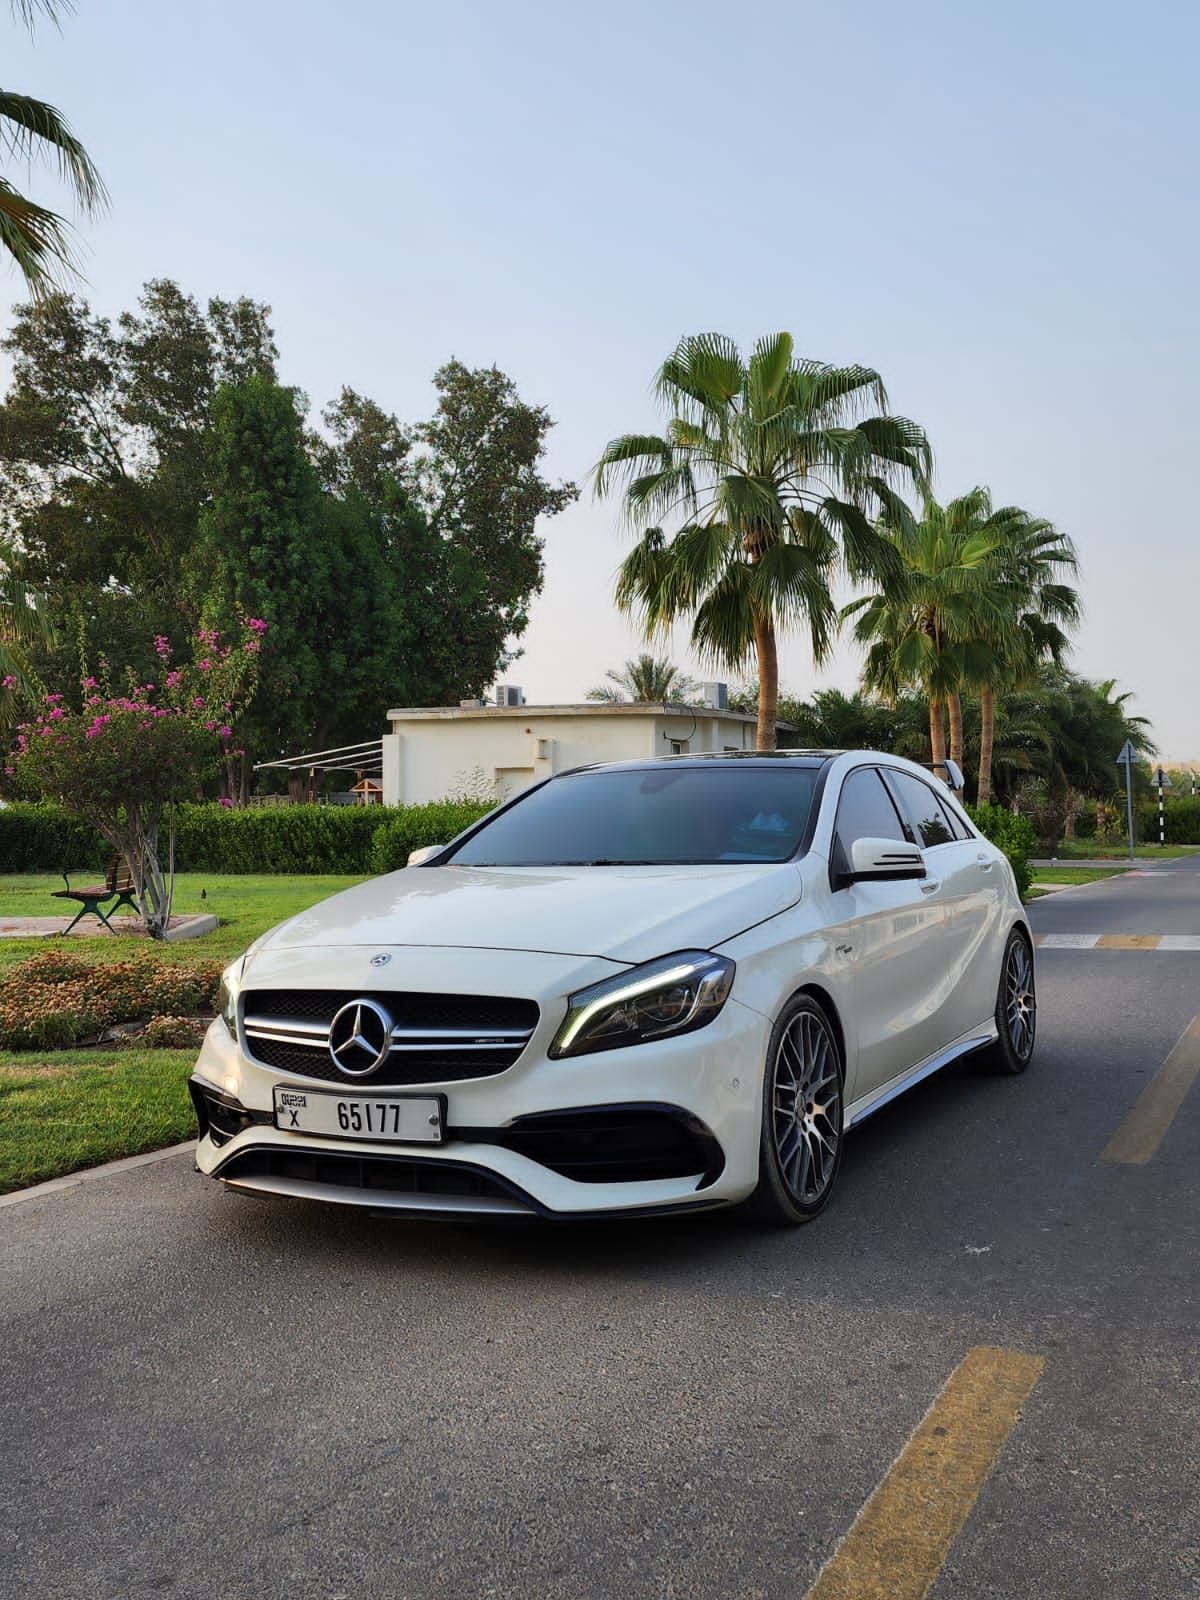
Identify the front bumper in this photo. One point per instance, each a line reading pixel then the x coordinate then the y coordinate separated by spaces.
pixel 657 1127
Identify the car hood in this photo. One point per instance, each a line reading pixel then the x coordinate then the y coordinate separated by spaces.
pixel 626 914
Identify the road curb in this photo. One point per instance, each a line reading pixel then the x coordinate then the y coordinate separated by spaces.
pixel 55 1185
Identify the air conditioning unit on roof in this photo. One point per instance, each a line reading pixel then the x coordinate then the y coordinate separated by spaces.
pixel 716 696
pixel 508 694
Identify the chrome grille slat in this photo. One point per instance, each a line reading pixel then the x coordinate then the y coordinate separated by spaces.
pixel 465 1036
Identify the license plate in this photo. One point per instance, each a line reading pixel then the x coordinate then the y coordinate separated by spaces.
pixel 394 1119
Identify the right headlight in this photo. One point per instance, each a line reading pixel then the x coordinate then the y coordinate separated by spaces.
pixel 227 995
pixel 674 994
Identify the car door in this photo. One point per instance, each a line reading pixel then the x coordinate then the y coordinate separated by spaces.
pixel 967 893
pixel 893 929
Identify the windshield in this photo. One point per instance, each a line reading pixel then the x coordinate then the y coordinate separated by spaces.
pixel 663 817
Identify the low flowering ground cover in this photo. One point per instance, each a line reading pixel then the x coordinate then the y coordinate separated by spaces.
pixel 57 997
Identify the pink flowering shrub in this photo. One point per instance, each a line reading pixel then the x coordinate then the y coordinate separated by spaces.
pixel 120 758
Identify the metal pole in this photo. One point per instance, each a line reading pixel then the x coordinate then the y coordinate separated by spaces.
pixel 1129 803
pixel 1162 826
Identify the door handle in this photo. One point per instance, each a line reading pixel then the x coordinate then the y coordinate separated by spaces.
pixel 931 888
pixel 985 866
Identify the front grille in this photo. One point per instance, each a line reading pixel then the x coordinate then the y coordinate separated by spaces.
pixel 437 1038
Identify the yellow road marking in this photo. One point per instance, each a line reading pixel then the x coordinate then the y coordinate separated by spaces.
pixel 1128 941
pixel 901 1537
pixel 1141 1133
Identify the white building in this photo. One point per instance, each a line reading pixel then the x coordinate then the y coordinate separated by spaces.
pixel 433 751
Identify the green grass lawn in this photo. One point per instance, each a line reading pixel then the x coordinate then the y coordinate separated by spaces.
pixel 66 1109
pixel 78 1108
pixel 246 906
pixel 1067 875
pixel 1090 850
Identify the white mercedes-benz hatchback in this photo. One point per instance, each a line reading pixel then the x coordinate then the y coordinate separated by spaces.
pixel 635 988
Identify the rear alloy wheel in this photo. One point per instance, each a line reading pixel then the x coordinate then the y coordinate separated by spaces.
pixel 1016 1008
pixel 801 1143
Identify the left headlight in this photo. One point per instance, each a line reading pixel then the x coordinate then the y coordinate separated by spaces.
pixel 674 994
pixel 227 995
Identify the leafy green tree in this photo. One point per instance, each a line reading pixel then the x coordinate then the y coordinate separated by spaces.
pixel 363 448
pixel 771 472
pixel 478 481
pixel 646 678
pixel 36 238
pixel 263 551
pixel 109 461
pixel 102 458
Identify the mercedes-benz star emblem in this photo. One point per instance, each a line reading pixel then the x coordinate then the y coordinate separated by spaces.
pixel 360 1038
pixel 380 960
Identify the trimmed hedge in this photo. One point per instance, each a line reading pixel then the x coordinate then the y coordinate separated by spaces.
pixel 1013 834
pixel 262 839
pixel 412 827
pixel 45 838
pixel 290 839
pixel 1182 819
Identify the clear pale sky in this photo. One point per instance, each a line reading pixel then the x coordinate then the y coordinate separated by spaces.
pixel 995 205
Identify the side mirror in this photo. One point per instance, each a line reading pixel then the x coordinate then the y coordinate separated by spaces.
pixel 884 859
pixel 425 853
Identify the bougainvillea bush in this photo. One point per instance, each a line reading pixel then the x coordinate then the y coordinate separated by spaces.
pixel 121 760
pixel 55 999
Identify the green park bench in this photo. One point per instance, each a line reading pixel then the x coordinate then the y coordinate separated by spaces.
pixel 118 885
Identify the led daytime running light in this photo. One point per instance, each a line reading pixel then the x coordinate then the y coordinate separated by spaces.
pixel 630 991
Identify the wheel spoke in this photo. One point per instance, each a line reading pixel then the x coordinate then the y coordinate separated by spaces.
pixel 800 1182
pixel 1020 1001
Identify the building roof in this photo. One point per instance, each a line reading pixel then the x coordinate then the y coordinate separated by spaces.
pixel 588 708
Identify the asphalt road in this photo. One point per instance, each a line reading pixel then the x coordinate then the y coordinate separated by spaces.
pixel 206 1395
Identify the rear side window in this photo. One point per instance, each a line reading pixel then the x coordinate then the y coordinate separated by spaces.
pixel 865 811
pixel 921 809
pixel 957 825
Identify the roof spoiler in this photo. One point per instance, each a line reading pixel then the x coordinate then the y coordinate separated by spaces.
pixel 952 772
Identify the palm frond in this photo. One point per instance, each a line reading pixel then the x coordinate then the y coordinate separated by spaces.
pixel 770 363
pixel 36 239
pixel 723 630
pixel 28 11
pixel 705 370
pixel 30 127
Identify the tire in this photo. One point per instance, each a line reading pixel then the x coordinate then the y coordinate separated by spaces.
pixel 799 1159
pixel 1016 1008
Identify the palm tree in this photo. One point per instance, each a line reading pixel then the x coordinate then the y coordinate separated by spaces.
pixel 37 239
pixel 1033 557
pixel 22 623
pixel 648 678
pixel 932 622
pixel 773 470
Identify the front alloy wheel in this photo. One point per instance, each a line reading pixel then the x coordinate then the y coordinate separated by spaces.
pixel 801 1143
